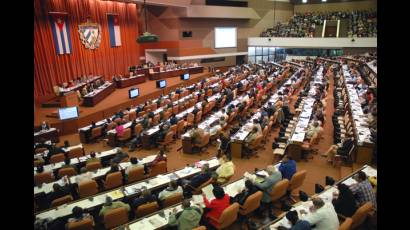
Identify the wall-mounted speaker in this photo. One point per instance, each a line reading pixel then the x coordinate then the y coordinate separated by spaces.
pixel 186 34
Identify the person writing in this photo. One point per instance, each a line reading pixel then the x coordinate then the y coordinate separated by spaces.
pixel 322 214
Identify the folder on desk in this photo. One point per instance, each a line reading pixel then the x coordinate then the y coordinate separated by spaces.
pixel 117 194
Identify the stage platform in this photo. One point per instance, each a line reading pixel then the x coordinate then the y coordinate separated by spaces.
pixel 112 104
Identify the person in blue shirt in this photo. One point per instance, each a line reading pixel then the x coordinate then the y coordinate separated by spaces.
pixel 297 224
pixel 287 167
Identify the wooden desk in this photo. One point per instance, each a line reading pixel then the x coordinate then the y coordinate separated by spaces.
pixel 125 82
pixel 94 99
pixel 79 86
pixel 175 73
pixel 51 134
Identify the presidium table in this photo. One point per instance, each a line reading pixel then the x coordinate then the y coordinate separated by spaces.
pixel 129 81
pixel 174 73
pixel 98 94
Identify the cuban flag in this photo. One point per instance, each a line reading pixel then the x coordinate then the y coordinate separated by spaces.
pixel 61 33
pixel 114 28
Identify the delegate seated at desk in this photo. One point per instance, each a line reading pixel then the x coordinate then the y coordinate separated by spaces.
pixel 188 218
pixel 363 190
pixel 274 176
pixel 110 205
pixel 78 215
pixel 225 171
pixel 197 180
pixel 249 190
pixel 322 214
pixel 145 197
pixel 172 189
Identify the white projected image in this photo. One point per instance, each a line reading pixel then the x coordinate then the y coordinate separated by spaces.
pixel 68 113
pixel 225 37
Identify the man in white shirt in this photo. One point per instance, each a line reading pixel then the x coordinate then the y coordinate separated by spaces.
pixel 172 189
pixel 323 215
pixel 134 164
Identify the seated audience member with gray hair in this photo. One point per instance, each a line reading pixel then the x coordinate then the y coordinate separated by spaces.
pixel 322 214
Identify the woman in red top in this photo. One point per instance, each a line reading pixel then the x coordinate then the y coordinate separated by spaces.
pixel 217 205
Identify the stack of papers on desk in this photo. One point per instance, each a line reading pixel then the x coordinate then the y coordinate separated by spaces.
pixel 208 192
pixel 349 181
pixel 198 199
pixel 116 194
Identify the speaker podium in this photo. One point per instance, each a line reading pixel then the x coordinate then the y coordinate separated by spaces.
pixel 69 100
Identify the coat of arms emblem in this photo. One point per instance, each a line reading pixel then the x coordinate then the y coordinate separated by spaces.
pixel 90 34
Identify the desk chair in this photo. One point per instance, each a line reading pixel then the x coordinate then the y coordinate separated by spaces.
pixel 96 133
pixel 346 225
pixel 198 117
pixel 360 216
pixel 115 217
pixel 255 145
pixel 125 137
pixel 250 205
pixel 135 174
pixel 204 142
pixel 75 153
pixel 87 188
pixel 190 120
pixel 296 182
pixel 339 159
pixel 279 191
pixel 113 180
pixel 171 200
pixel 84 224
pixel 92 166
pixel 168 139
pixel 132 115
pixel 69 171
pixel 44 177
pixel 111 126
pixel 61 201
pixel 200 228
pixel 57 158
pixel 40 150
pixel 138 129
pixel 159 168
pixel 146 209
pixel 180 128
pixel 228 216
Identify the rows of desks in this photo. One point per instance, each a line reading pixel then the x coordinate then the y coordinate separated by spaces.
pixel 159 219
pixel 132 190
pixel 326 195
pixel 174 73
pixel 364 152
pixel 99 94
pixel 50 134
pixel 239 137
pixel 85 132
pixel 48 187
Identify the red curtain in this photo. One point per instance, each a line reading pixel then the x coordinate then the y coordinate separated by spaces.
pixel 51 69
